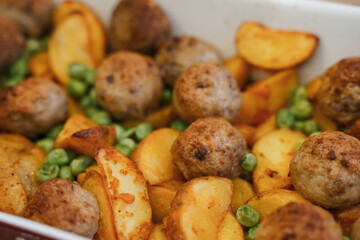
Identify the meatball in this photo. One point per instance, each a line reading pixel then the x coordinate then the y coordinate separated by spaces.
pixel 326 170
pixel 64 204
pixel 209 147
pixel 139 25
pixel 176 55
pixel 339 94
pixel 11 42
pixel 128 85
pixel 32 107
pixel 355 230
pixel 207 90
pixel 33 17
pixel 299 221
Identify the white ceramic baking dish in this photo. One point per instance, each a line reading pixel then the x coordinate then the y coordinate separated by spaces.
pixel 336 25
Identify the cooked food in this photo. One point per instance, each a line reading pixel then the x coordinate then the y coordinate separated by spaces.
pixel 128 85
pixel 207 90
pixel 179 53
pixel 339 94
pixel 33 17
pixel 355 231
pixel 299 221
pixel 326 170
pixel 209 147
pixel 64 204
pixel 138 25
pixel 32 107
pixel 11 41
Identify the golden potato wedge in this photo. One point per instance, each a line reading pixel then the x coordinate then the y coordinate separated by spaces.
pixel 199 208
pixel 273 49
pixel 264 128
pixel 243 191
pixel 39 66
pixel 74 108
pixel 266 97
pixel 313 87
pixel 154 159
pixel 173 184
pixel 239 69
pixel 324 122
pixel 275 152
pixel 248 132
pixel 70 42
pixel 230 228
pixel 160 200
pixel 94 183
pixel 128 195
pixel 347 217
pixel 158 233
pixel 97 33
pixel 12 193
pixel 267 202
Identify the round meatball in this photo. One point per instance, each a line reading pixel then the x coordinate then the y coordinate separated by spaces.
pixel 32 107
pixel 207 90
pixel 139 25
pixel 326 170
pixel 339 94
pixel 299 221
pixel 355 230
pixel 64 204
pixel 128 85
pixel 178 54
pixel 209 147
pixel 11 42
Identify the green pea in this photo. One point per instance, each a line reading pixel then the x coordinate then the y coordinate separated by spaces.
pixel 246 175
pixel 310 126
pixel 19 67
pixel 47 144
pixel 85 102
pixel 71 155
pixel 298 144
pixel 90 111
pixel 128 142
pixel 314 133
pixel 92 95
pixel 247 151
pixel 299 126
pixel 13 81
pixel 124 150
pixel 143 130
pixel 47 172
pixel 89 77
pixel 297 93
pixel 119 130
pixel 65 172
pixel 179 125
pixel 77 70
pixel 302 109
pixel 166 96
pixel 33 45
pixel 249 162
pixel 247 216
pixel 54 132
pixel 346 238
pixel 45 42
pixel 285 119
pixel 79 164
pixel 76 88
pixel 128 133
pixel 101 117
pixel 57 157
pixel 250 234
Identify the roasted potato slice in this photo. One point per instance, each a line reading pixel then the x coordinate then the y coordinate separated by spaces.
pixel 248 132
pixel 158 233
pixel 275 152
pixel 173 184
pixel 264 128
pixel 273 49
pixel 313 87
pixel 324 122
pixel 243 191
pixel 128 195
pixel 198 209
pixel 347 217
pixel 39 66
pixel 230 228
pixel 239 69
pixel 160 200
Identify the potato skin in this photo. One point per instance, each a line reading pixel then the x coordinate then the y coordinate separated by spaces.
pixel 32 107
pixel 298 221
pixel 128 85
pixel 207 90
pixel 326 170
pixel 339 94
pixel 138 25
pixel 209 147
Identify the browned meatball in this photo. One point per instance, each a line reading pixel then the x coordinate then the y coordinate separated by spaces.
pixel 326 170
pixel 32 107
pixel 128 85
pixel 176 55
pixel 209 147
pixel 11 43
pixel 64 204
pixel 299 221
pixel 207 90
pixel 355 230
pixel 31 16
pixel 339 94
pixel 139 25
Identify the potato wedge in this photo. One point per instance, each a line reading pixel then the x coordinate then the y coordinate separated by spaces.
pixel 275 152
pixel 267 202
pixel 230 228
pixel 266 97
pixel 94 183
pixel 273 49
pixel 74 108
pixel 243 191
pixel 70 42
pixel 248 132
pixel 160 200
pixel 154 159
pixel 264 128
pixel 313 87
pixel 158 233
pixel 199 208
pixel 239 69
pixel 39 66
pixel 347 217
pixel 128 195
pixel 324 122
pixel 173 184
